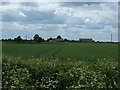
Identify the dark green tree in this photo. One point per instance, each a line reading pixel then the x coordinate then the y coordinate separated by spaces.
pixel 65 40
pixel 36 37
pixel 49 39
pixel 40 39
pixel 18 39
pixel 9 39
pixel 59 37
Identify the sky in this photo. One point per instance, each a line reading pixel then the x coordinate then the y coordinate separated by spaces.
pixel 71 20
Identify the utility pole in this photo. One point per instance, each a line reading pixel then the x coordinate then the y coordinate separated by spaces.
pixel 111 37
pixel 26 37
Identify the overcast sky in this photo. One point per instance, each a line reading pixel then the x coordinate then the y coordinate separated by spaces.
pixel 71 20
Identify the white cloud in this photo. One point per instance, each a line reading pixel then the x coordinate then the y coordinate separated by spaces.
pixel 64 11
pixel 87 20
pixel 11 30
pixel 22 14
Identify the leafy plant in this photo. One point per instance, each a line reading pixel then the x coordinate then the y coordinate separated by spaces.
pixel 57 74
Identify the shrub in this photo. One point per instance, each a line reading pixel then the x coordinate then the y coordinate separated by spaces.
pixel 40 73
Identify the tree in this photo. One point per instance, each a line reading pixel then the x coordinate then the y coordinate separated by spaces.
pixel 49 39
pixel 18 39
pixel 65 40
pixel 9 39
pixel 59 37
pixel 36 37
pixel 40 39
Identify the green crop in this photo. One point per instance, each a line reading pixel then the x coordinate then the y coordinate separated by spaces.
pixel 63 51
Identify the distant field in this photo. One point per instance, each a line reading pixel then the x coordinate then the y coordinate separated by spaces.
pixel 61 50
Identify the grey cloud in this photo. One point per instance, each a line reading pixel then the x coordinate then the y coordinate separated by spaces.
pixel 33 16
pixel 75 4
pixel 75 25
pixel 29 4
pixel 5 3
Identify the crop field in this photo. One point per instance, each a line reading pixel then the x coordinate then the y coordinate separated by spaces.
pixel 62 50
pixel 60 66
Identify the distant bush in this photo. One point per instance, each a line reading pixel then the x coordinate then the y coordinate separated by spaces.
pixel 41 73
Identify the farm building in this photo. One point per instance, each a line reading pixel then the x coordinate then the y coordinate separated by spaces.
pixel 55 40
pixel 86 40
pixel 58 39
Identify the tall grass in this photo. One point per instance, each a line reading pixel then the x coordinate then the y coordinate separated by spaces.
pixel 42 73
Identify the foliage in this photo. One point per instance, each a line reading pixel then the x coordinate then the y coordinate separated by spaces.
pixel 37 38
pixel 54 73
pixel 66 40
pixel 18 39
pixel 59 37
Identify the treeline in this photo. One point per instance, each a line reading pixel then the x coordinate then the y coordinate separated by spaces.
pixel 37 38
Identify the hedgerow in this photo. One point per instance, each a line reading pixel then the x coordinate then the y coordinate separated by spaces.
pixel 56 74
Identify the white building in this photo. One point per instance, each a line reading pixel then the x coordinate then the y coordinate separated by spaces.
pixel 86 40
